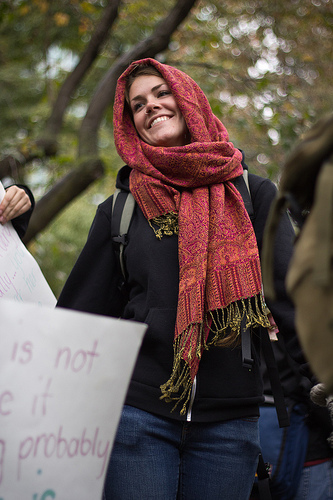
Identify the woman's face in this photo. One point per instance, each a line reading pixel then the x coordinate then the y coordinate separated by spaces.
pixel 156 115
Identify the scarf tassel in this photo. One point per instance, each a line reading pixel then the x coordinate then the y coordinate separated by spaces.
pixel 187 346
pixel 225 327
pixel 226 324
pixel 167 224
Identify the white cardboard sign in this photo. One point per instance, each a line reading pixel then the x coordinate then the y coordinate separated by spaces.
pixel 21 279
pixel 63 381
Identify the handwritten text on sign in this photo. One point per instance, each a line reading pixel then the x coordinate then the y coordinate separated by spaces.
pixel 63 380
pixel 20 276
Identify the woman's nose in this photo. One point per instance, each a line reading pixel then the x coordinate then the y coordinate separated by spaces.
pixel 150 105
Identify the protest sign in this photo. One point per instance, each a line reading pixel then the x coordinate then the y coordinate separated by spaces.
pixel 63 381
pixel 20 276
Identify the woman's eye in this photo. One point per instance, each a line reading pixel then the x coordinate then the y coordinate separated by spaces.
pixel 163 93
pixel 137 106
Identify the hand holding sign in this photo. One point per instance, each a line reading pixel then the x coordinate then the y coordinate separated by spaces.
pixel 15 203
pixel 20 276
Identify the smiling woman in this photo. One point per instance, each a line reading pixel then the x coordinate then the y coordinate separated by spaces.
pixel 189 426
pixel 156 115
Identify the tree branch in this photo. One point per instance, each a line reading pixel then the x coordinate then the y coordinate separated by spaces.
pixel 61 194
pixel 99 36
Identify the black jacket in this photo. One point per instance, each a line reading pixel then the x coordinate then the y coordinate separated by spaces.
pixel 225 389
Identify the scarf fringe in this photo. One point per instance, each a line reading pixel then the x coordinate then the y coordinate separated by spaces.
pixel 167 224
pixel 180 378
pixel 225 325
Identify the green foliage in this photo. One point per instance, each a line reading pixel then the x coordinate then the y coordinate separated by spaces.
pixel 266 66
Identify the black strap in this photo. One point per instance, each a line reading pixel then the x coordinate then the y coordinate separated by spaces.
pixel 247 359
pixel 122 210
pixel 263 480
pixel 242 187
pixel 119 199
pixel 274 378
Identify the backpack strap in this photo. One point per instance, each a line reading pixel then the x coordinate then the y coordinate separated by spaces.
pixel 274 378
pixel 263 480
pixel 121 215
pixel 247 358
pixel 242 185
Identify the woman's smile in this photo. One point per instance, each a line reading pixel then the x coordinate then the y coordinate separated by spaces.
pixel 159 119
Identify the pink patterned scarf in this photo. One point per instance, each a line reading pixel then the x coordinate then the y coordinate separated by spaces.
pixel 220 277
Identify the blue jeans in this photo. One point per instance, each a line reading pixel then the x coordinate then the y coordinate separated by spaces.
pixel 156 458
pixel 316 482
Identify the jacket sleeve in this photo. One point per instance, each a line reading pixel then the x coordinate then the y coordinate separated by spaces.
pixel 263 192
pixel 92 285
pixel 21 222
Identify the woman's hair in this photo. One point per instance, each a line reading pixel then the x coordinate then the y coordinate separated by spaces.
pixel 139 70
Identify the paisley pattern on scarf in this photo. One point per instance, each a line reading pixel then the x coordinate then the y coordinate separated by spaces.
pixel 220 277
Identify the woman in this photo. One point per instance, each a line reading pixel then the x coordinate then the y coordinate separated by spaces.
pixel 189 427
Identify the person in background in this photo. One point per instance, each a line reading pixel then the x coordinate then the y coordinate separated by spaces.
pixel 307 440
pixel 306 190
pixel 17 206
pixel 189 426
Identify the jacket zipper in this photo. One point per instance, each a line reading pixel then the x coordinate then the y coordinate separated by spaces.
pixel 190 406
